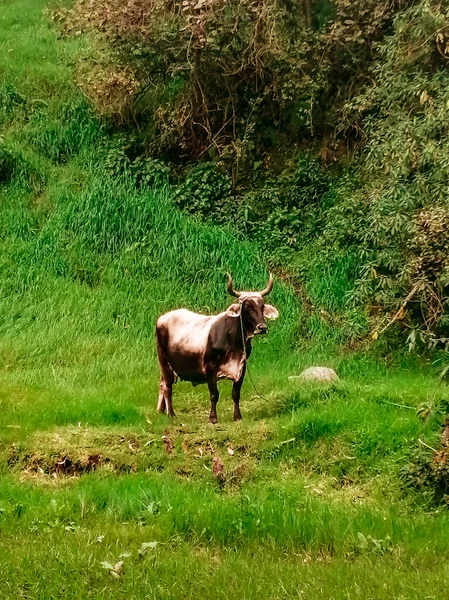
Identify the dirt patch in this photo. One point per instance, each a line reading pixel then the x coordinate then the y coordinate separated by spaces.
pixel 73 452
pixel 64 465
pixel 168 444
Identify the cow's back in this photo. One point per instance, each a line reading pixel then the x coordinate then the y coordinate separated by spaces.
pixel 183 336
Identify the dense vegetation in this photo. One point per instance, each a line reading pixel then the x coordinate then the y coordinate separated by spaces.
pixel 323 492
pixel 321 127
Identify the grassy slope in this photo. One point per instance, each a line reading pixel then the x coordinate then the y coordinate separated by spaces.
pixel 311 504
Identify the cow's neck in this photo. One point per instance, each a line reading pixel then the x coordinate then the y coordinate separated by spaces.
pixel 239 339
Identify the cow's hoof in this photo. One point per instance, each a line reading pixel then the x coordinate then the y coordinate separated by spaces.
pixel 171 414
pixel 213 420
pixel 239 418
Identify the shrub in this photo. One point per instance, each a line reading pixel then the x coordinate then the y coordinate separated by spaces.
pixel 287 214
pixel 282 215
pixel 203 76
pixel 205 193
pixel 120 161
pixel 429 474
pixel 394 212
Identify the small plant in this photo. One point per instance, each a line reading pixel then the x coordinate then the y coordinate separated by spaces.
pixel 428 472
pixel 150 172
pixel 369 545
pixel 426 411
pixel 120 160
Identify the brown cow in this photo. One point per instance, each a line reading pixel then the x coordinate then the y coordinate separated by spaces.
pixel 203 349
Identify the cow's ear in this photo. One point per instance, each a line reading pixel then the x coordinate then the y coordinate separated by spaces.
pixel 233 310
pixel 269 312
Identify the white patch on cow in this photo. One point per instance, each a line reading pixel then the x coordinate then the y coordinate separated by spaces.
pixel 188 335
pixel 232 366
pixel 188 331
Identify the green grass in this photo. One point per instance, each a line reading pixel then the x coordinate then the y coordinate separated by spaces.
pixel 311 503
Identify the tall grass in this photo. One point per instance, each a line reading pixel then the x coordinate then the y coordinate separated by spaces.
pixel 285 516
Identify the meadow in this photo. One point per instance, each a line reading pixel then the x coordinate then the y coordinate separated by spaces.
pixel 100 496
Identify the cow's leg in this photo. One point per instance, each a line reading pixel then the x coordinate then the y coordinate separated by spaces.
pixel 164 403
pixel 161 406
pixel 168 395
pixel 165 393
pixel 237 386
pixel 213 390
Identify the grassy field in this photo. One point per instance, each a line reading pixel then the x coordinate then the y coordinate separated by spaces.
pixel 101 497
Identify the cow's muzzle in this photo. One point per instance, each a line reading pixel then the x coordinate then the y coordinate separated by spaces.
pixel 261 328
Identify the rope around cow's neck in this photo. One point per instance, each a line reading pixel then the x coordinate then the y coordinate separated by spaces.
pixel 244 350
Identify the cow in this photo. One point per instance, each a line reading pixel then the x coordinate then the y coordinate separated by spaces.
pixel 205 349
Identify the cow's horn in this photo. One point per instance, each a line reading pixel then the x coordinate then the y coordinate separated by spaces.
pixel 230 289
pixel 269 287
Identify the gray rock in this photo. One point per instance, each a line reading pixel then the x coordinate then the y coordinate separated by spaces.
pixel 318 374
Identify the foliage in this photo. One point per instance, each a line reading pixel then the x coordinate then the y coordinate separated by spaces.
pixel 282 214
pixel 205 192
pixel 235 77
pixel 120 161
pixel 429 474
pixel 396 218
pixel 287 215
pixel 205 74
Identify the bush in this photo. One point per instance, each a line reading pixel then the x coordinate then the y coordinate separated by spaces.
pixel 205 193
pixel 395 217
pixel 287 213
pixel 204 77
pixel 282 215
pixel 120 161
pixel 429 474
pixel 246 84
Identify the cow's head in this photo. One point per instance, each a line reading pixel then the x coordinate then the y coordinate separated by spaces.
pixel 252 308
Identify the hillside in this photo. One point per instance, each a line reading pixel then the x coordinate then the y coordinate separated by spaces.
pixel 326 492
pixel 317 129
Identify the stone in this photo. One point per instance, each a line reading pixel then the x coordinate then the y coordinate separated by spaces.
pixel 317 374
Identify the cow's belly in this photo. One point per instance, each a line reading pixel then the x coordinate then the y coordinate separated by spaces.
pixel 188 366
pixel 194 379
pixel 191 366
